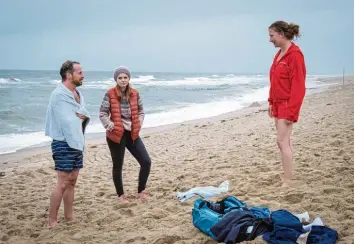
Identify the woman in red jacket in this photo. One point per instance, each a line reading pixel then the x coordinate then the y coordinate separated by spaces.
pixel 287 89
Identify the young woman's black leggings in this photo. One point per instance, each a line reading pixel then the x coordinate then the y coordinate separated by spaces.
pixel 137 149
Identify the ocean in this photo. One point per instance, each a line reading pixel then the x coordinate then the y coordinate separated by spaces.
pixel 167 98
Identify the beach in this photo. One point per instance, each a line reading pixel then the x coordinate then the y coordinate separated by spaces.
pixel 239 146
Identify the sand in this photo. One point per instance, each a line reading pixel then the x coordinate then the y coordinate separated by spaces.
pixel 239 147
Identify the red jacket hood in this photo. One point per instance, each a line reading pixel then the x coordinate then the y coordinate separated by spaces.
pixel 292 49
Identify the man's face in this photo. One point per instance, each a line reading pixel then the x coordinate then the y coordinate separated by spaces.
pixel 77 76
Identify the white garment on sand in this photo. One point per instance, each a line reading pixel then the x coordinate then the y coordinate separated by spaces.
pixel 302 239
pixel 316 222
pixel 303 216
pixel 203 191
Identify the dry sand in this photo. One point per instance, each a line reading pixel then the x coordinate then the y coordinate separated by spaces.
pixel 239 147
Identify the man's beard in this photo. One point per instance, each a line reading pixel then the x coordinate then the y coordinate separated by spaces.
pixel 77 82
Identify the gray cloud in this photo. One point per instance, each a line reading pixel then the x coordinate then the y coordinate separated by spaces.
pixel 201 36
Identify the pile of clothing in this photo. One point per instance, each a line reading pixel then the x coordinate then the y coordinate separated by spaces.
pixel 232 221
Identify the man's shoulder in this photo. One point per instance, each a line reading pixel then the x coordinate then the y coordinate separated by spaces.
pixel 56 94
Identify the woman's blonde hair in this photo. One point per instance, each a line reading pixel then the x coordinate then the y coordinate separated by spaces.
pixel 126 92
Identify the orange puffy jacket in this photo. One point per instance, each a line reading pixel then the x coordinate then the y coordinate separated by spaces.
pixel 115 110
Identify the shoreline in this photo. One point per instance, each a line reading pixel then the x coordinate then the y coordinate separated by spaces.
pixel 99 138
pixel 9 159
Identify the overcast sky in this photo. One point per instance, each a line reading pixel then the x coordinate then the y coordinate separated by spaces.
pixel 176 36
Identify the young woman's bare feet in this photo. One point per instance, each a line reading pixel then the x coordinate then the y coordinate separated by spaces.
pixel 143 195
pixel 69 219
pixel 123 199
pixel 285 182
pixel 52 223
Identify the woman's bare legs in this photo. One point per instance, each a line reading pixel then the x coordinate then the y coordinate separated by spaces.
pixel 284 131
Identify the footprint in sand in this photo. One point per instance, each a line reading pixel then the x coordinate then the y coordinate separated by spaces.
pixel 107 220
pixel 25 206
pixel 167 239
pixel 342 169
pixel 111 195
pixel 20 217
pixel 41 215
pixel 180 177
pixel 335 135
pixel 136 239
pixel 155 215
pixel 88 202
pixel 42 171
pixel 100 194
pixel 29 174
pixel 124 205
pixel 348 214
pixel 14 232
pixel 340 152
pixel 336 143
pixel 224 167
pixel 34 235
pixel 346 158
pixel 89 216
pixel 294 197
pixel 330 190
pixel 5 238
pixel 6 204
pixel 127 212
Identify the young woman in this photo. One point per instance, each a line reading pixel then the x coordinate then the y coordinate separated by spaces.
pixel 122 115
pixel 287 89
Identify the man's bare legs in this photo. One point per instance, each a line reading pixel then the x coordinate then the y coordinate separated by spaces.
pixel 284 130
pixel 68 196
pixel 63 190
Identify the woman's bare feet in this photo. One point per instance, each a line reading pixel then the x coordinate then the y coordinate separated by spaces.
pixel 123 199
pixel 285 182
pixel 143 195
pixel 69 219
pixel 52 223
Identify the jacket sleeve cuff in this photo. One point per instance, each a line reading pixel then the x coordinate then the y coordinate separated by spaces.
pixel 290 116
pixel 110 126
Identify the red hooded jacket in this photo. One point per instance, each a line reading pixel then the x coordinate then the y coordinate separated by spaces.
pixel 288 81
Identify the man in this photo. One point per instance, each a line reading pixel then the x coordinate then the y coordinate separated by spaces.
pixel 66 121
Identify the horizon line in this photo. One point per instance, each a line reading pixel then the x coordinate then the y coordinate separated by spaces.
pixel 186 72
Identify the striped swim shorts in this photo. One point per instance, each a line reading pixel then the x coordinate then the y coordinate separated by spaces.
pixel 66 158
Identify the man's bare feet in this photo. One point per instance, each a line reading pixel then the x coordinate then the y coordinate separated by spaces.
pixel 123 199
pixel 52 223
pixel 143 195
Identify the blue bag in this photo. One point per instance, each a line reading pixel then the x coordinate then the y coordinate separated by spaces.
pixel 206 214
